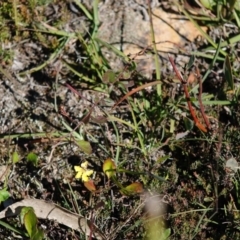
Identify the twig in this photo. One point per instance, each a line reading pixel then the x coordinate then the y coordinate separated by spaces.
pixel 193 114
pixel 200 101
pixel 134 91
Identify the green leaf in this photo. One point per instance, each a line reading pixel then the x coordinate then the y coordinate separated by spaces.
pixel 126 75
pixel 191 61
pixel 117 52
pixel 33 158
pixel 188 123
pixel 24 210
pixel 39 235
pixel 109 167
pixel 15 157
pixel 228 73
pixel 208 3
pixel 85 146
pixel 236 4
pixel 4 195
pixel 109 77
pixel 167 233
pixel 30 222
pixel 162 159
pixel 132 189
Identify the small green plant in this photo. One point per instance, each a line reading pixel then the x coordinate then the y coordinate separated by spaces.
pixel 29 220
pixel 110 169
pixel 4 195
pixel 225 6
pixel 32 158
pixel 223 10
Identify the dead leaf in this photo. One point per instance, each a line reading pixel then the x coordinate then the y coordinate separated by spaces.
pixel 90 186
pixel 50 211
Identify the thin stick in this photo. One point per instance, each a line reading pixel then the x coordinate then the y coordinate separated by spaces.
pixel 134 91
pixel 200 100
pixel 195 119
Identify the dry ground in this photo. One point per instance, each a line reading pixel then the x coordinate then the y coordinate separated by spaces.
pixel 151 136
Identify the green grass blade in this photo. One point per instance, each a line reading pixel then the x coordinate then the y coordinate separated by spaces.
pixel 51 58
pixel 11 228
pixel 84 9
pixel 156 58
pixel 205 35
pixel 228 73
pixel 115 50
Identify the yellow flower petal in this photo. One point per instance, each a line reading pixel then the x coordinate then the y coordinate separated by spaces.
pixel 83 172
pixel 79 171
pixel 78 175
pixel 84 165
pixel 77 168
pixel 86 175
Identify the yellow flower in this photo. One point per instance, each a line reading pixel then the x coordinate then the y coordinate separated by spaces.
pixel 83 172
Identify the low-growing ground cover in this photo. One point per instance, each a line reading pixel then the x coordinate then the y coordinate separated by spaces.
pixel 105 133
